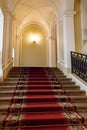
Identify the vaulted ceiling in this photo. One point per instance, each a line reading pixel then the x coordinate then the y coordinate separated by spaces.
pixel 42 12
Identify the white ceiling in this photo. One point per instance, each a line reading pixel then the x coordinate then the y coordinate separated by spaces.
pixel 43 12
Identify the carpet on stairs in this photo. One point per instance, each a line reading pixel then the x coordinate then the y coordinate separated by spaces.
pixel 39 107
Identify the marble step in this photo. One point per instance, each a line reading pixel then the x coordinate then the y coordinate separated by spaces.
pixel 13 121
pixel 72 99
pixel 57 87
pixel 7 87
pixel 27 77
pixel 78 99
pixel 80 107
pixel 9 93
pixel 8 83
pixel 67 82
pixel 68 87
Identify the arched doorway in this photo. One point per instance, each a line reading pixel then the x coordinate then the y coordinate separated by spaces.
pixel 1 40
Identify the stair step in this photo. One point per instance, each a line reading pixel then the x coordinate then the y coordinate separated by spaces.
pixel 11 79
pixel 39 119
pixel 13 75
pixel 56 127
pixel 84 114
pixel 44 107
pixel 78 99
pixel 45 119
pixel 29 92
pixel 43 92
pixel 81 107
pixel 64 79
pixel 75 92
pixel 68 87
pixel 7 87
pixel 67 82
pixel 40 98
pixel 8 83
pixel 32 107
pixel 22 87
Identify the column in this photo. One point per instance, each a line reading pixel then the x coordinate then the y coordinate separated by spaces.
pixel 18 51
pixel 52 52
pixel 7 43
pixel 49 51
pixel 14 39
pixel 58 54
pixel 69 39
pixel 7 37
pixel 60 44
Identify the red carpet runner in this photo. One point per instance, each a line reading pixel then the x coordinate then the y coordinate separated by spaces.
pixel 39 103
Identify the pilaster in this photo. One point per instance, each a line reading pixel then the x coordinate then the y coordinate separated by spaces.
pixel 69 39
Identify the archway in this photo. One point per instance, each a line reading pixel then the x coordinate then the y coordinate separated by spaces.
pixel 1 40
pixel 33 47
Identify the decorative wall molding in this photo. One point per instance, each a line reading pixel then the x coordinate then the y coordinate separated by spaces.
pixel 7 10
pixel 69 13
pixel 43 28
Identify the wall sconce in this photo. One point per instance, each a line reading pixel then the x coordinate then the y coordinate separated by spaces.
pixel 34 42
pixel 34 38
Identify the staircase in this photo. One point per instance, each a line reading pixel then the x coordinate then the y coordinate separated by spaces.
pixel 36 98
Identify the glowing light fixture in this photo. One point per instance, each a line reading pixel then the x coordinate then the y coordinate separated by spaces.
pixel 34 38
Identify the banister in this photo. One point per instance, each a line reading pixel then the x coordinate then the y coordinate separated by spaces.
pixel 79 64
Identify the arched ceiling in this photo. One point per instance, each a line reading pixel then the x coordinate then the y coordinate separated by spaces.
pixel 24 13
pixel 39 11
pixel 59 5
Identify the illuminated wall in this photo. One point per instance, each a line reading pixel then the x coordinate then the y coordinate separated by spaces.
pixel 33 51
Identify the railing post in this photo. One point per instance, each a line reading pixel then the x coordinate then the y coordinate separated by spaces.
pixel 71 63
